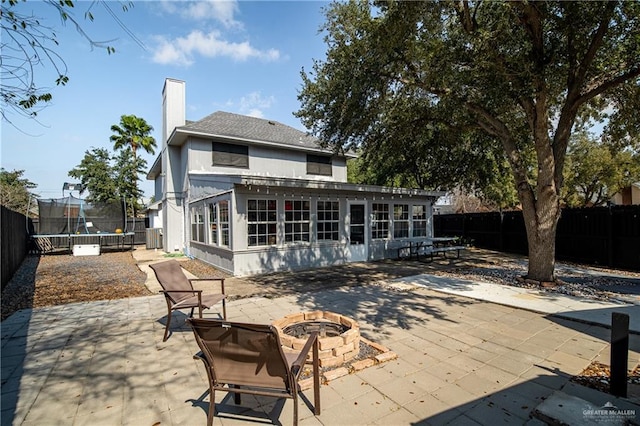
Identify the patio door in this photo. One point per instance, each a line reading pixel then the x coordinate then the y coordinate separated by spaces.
pixel 357 228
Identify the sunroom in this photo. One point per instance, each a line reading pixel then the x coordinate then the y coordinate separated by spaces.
pixel 262 224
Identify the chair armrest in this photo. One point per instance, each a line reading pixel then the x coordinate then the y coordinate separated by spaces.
pixel 296 367
pixel 181 291
pixel 207 279
pixel 221 279
pixel 201 357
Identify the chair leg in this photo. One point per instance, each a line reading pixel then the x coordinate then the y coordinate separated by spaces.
pixel 166 329
pixel 224 310
pixel 316 377
pixel 212 407
pixel 237 397
pixel 295 409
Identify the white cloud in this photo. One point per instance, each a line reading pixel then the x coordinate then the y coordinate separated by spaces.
pixel 181 50
pixel 252 104
pixel 222 11
pixel 255 99
pixel 255 113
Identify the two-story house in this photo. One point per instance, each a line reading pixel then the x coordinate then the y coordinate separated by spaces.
pixel 250 195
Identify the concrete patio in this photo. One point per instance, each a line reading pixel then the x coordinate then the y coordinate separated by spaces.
pixel 460 360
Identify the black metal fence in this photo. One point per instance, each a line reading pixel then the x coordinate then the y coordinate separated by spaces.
pixel 606 236
pixel 15 228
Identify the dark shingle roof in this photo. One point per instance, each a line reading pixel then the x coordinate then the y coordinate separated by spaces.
pixel 251 128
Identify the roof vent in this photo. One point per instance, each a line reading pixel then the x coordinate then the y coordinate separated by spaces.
pixel 273 123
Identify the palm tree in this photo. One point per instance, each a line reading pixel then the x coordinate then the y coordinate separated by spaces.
pixel 133 132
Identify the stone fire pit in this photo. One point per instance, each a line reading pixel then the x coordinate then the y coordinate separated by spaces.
pixel 339 336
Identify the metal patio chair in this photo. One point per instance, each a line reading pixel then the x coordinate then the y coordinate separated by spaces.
pixel 179 292
pixel 248 358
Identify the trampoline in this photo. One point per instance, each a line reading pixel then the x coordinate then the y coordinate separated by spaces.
pixel 70 221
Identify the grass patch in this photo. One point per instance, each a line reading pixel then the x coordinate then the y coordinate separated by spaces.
pixel 174 255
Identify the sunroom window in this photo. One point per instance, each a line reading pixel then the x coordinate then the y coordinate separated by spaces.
pixel 262 222
pixel 328 223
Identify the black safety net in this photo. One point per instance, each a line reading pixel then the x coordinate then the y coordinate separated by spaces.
pixel 71 215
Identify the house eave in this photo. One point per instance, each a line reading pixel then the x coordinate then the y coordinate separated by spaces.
pixel 273 182
pixel 155 169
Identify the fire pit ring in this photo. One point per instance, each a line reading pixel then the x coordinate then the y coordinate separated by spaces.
pixel 339 335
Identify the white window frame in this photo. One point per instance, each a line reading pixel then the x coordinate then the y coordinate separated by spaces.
pixel 400 217
pixel 263 220
pixel 333 221
pixel 297 221
pixel 379 221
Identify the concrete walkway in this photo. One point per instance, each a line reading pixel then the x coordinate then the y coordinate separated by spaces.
pixel 563 306
pixel 461 360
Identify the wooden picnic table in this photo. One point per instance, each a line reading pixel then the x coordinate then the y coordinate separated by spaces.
pixel 442 245
pixel 430 247
pixel 443 241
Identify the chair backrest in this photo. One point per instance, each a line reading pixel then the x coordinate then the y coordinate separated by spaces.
pixel 171 277
pixel 243 354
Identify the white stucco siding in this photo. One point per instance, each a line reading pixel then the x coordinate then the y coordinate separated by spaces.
pixel 288 258
pixel 173 201
pixel 158 187
pixel 173 107
pixel 219 257
pixel 279 245
pixel 263 161
pixel 201 186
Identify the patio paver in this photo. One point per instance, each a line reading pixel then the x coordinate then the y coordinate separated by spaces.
pixel 461 359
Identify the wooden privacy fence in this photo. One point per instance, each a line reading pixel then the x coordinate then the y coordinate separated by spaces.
pixel 606 236
pixel 15 240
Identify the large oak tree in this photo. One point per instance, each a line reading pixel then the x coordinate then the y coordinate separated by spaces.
pixel 468 79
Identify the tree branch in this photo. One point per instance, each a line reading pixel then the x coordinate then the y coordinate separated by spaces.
pixel 497 128
pixel 634 72
pixel 596 42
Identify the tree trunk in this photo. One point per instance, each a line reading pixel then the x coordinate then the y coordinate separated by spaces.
pixel 541 220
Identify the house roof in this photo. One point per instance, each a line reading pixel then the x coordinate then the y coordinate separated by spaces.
pixel 247 129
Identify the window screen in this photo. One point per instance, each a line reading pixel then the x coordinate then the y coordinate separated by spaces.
pixel 319 165
pixel 229 155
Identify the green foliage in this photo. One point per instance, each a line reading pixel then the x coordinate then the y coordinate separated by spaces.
pixel 133 132
pixel 127 171
pixel 596 171
pixel 451 90
pixel 96 173
pixel 108 177
pixel 15 191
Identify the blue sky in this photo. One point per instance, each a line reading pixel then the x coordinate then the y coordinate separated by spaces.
pixel 241 57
